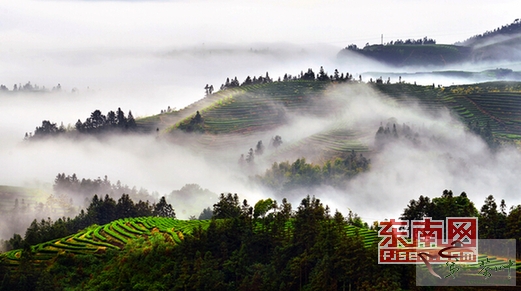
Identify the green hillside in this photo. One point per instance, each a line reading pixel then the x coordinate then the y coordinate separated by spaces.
pixel 260 107
pixel 235 116
pixel 96 240
pixel 496 104
pixel 500 45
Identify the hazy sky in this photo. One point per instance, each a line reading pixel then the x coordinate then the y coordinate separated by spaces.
pixel 115 44
pixel 157 24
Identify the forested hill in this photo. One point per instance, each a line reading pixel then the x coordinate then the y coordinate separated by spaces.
pixel 501 44
pixel 411 54
pixel 506 31
pixel 267 246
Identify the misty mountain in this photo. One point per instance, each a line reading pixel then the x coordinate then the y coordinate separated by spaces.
pixel 512 29
pixel 500 45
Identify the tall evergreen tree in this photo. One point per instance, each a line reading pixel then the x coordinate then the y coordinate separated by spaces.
pixel 163 209
pixel 227 207
pixel 111 119
pixel 131 122
pixel 121 120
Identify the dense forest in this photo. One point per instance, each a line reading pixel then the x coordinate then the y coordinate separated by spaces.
pixel 285 177
pixel 267 246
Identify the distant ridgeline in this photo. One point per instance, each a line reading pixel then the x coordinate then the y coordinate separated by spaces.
pixel 502 44
pixel 31 88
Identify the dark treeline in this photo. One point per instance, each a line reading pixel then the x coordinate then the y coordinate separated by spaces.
pixel 283 177
pixel 232 83
pixel 419 41
pixel 98 122
pixel 307 76
pixel 100 211
pixel 95 124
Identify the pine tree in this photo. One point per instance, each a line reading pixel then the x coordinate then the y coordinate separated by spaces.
pixel 227 207
pixel 121 120
pixel 259 150
pixel 163 209
pixel 131 123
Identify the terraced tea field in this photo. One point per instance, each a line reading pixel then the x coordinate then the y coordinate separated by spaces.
pixel 115 235
pixel 244 115
pixel 495 103
pixel 261 107
pixel 333 142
